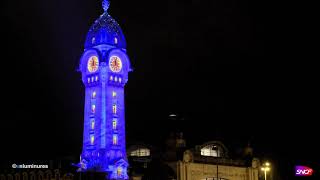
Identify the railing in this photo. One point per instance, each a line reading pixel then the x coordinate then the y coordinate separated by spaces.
pixel 220 161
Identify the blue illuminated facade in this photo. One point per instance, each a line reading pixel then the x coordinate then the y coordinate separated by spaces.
pixel 104 66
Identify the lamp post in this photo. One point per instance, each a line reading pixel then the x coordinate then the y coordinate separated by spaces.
pixel 265 168
pixel 216 149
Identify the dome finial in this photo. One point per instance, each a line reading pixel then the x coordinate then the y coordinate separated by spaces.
pixel 105 4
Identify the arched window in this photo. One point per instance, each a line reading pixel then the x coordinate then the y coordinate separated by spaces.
pixel 211 150
pixel 140 152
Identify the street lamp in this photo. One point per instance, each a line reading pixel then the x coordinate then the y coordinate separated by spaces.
pixel 265 168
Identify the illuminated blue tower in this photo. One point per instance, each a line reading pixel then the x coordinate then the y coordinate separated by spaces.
pixel 104 66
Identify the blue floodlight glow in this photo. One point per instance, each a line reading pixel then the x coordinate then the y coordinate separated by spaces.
pixel 104 146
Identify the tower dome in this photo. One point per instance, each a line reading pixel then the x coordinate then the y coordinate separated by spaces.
pixel 105 30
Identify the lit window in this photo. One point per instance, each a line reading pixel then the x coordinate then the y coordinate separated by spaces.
pixel 115 79
pixel 120 80
pixel 210 150
pixel 93 108
pixel 92 78
pixel 92 123
pixel 114 94
pixel 88 80
pixel 111 78
pixel 93 41
pixel 114 109
pixel 114 123
pixel 115 139
pixel 91 139
pixel 140 152
pixel 119 171
pixel 96 78
pixel 94 93
pixel 116 40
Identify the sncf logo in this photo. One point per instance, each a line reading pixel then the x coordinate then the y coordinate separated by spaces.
pixel 303 171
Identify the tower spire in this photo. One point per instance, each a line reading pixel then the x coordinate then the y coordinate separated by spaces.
pixel 105 4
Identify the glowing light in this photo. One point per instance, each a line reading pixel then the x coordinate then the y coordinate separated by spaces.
pixel 92 123
pixel 88 80
pixel 116 40
pixel 93 108
pixel 96 78
pixel 120 80
pixel 91 139
pixel 210 150
pixel 114 123
pixel 114 94
pixel 94 93
pixel 140 152
pixel 114 109
pixel 115 79
pixel 111 78
pixel 267 164
pixel 119 171
pixel 115 139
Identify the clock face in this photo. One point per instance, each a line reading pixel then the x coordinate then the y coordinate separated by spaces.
pixel 115 64
pixel 93 64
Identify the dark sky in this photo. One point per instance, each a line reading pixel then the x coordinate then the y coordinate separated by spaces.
pixel 229 67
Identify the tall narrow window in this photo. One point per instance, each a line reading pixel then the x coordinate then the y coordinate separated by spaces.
pixel 94 94
pixel 119 171
pixel 115 139
pixel 92 124
pixel 116 40
pixel 114 123
pixel 114 94
pixel 93 108
pixel 114 109
pixel 91 139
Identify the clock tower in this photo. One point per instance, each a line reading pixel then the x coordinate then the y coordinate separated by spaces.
pixel 104 66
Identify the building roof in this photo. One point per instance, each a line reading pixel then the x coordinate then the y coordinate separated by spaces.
pixel 105 30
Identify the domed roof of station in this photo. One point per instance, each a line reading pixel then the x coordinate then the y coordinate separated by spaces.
pixel 105 30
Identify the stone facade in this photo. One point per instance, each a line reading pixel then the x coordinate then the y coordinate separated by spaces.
pixel 201 171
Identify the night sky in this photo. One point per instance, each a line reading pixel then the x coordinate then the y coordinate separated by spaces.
pixel 226 67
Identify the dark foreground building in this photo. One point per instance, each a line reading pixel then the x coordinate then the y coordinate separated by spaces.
pixel 209 161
